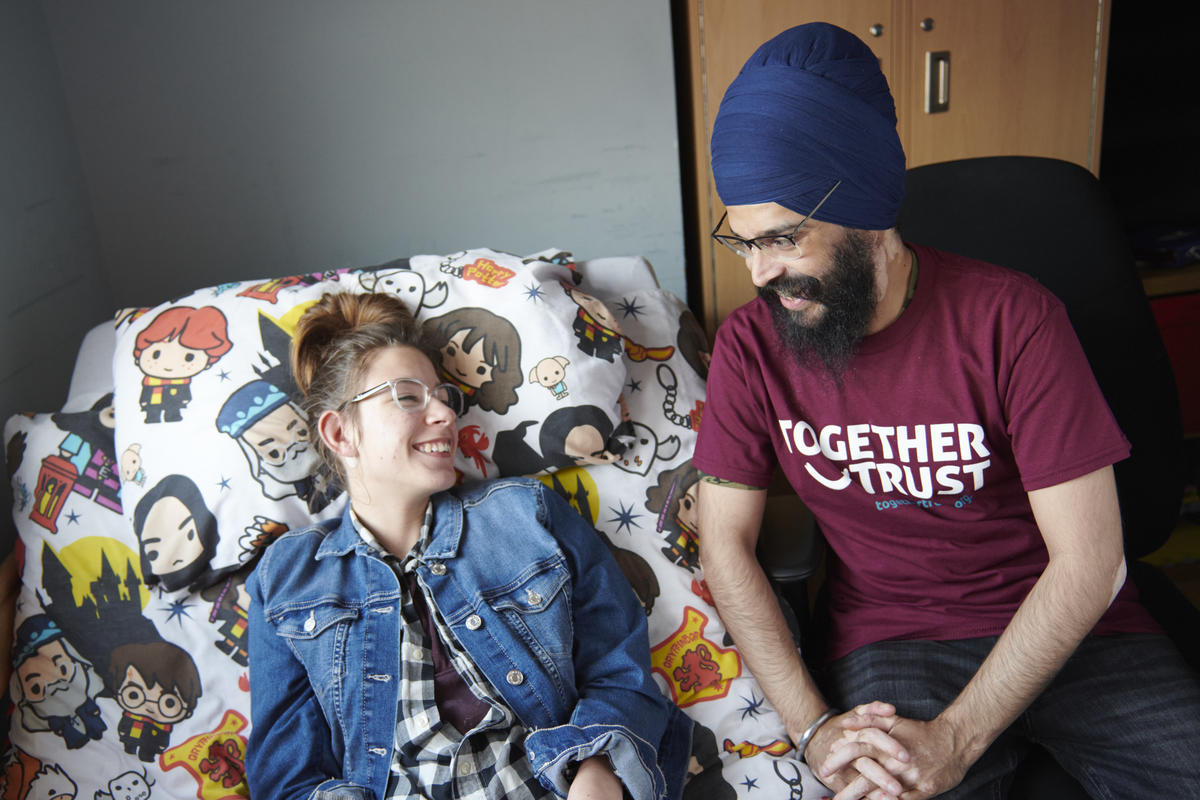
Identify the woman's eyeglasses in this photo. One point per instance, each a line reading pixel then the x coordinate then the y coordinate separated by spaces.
pixel 411 395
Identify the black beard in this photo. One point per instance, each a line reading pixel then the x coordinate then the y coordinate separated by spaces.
pixel 848 294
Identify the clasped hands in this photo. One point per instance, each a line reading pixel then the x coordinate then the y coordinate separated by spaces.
pixel 871 752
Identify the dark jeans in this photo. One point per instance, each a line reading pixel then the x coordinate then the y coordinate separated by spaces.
pixel 1123 715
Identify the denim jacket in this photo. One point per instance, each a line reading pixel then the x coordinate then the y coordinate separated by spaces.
pixel 563 639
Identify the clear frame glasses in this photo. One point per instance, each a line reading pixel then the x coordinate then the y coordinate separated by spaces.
pixel 412 395
pixel 782 245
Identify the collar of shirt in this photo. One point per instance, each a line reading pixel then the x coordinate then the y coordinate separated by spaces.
pixel 409 562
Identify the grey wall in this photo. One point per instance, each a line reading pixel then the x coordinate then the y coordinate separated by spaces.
pixel 53 287
pixel 227 139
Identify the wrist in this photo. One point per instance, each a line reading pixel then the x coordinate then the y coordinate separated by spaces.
pixel 966 739
pixel 802 741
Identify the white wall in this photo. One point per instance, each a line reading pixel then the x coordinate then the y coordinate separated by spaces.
pixel 227 139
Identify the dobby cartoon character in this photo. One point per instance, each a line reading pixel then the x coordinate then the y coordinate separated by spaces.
pixel 131 465
pixel 551 372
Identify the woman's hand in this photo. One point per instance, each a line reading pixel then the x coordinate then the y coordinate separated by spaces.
pixel 595 780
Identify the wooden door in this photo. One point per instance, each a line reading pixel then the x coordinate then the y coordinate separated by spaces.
pixel 722 35
pixel 1026 77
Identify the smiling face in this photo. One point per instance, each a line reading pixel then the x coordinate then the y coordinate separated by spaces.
pixel 465 366
pixel 170 537
pixel 824 296
pixel 170 359
pixel 409 454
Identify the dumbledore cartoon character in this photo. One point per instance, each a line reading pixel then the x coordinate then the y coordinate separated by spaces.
pixel 53 688
pixel 273 434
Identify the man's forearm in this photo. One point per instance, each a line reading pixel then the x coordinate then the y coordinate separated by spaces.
pixel 1059 611
pixel 751 614
pixel 1080 522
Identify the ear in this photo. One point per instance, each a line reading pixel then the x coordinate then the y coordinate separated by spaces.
pixel 337 434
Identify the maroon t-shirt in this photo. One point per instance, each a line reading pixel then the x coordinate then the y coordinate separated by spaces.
pixel 917 465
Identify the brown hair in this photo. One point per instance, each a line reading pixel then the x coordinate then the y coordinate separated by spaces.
pixel 334 343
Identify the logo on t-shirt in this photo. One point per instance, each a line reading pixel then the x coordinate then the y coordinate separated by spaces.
pixel 920 461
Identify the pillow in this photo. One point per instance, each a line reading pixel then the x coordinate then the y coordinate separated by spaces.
pixel 100 728
pixel 643 505
pixel 205 396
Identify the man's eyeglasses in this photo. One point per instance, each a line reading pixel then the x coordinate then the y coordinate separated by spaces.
pixel 411 395
pixel 780 244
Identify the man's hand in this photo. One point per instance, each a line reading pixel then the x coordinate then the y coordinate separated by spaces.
pixel 595 781
pixel 937 757
pixel 854 754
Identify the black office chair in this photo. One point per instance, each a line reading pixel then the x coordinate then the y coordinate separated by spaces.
pixel 1054 220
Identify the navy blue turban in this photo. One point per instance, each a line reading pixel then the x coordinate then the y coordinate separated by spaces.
pixel 811 107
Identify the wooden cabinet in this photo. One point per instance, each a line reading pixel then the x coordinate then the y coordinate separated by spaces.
pixel 1025 77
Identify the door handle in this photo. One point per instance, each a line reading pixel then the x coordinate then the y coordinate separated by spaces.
pixel 937 81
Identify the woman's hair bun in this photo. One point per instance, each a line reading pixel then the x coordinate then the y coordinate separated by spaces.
pixel 341 319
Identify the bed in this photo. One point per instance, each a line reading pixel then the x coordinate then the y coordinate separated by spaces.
pixel 597 389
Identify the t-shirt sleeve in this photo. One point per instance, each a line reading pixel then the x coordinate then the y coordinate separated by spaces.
pixel 734 441
pixel 1060 424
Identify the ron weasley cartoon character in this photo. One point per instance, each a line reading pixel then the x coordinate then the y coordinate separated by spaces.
pixel 673 498
pixel 551 372
pixel 177 345
pixel 273 434
pixel 157 688
pixel 481 354
pixel 52 687
pixel 176 532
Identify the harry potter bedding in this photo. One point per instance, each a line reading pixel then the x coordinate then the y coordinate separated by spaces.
pixel 142 506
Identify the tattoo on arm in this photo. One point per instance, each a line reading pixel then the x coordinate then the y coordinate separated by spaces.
pixel 715 481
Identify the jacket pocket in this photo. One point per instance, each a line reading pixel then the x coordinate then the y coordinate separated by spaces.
pixel 317 633
pixel 538 609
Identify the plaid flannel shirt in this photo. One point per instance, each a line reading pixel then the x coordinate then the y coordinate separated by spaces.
pixel 431 757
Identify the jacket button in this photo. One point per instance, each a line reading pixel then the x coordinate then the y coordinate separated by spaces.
pixel 515 677
pixel 437 568
pixel 533 597
pixel 474 622
pixel 310 623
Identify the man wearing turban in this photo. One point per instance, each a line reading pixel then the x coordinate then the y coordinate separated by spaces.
pixel 915 401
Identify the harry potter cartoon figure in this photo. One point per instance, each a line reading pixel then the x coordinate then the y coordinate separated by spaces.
pixel 178 344
pixel 231 605
pixel 88 445
pixel 598 333
pixel 177 534
pixel 53 689
pixel 481 355
pixel 596 329
pixel 551 372
pixel 273 434
pixel 158 688
pixel 673 498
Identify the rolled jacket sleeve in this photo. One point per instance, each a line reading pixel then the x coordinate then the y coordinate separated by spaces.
pixel 620 712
